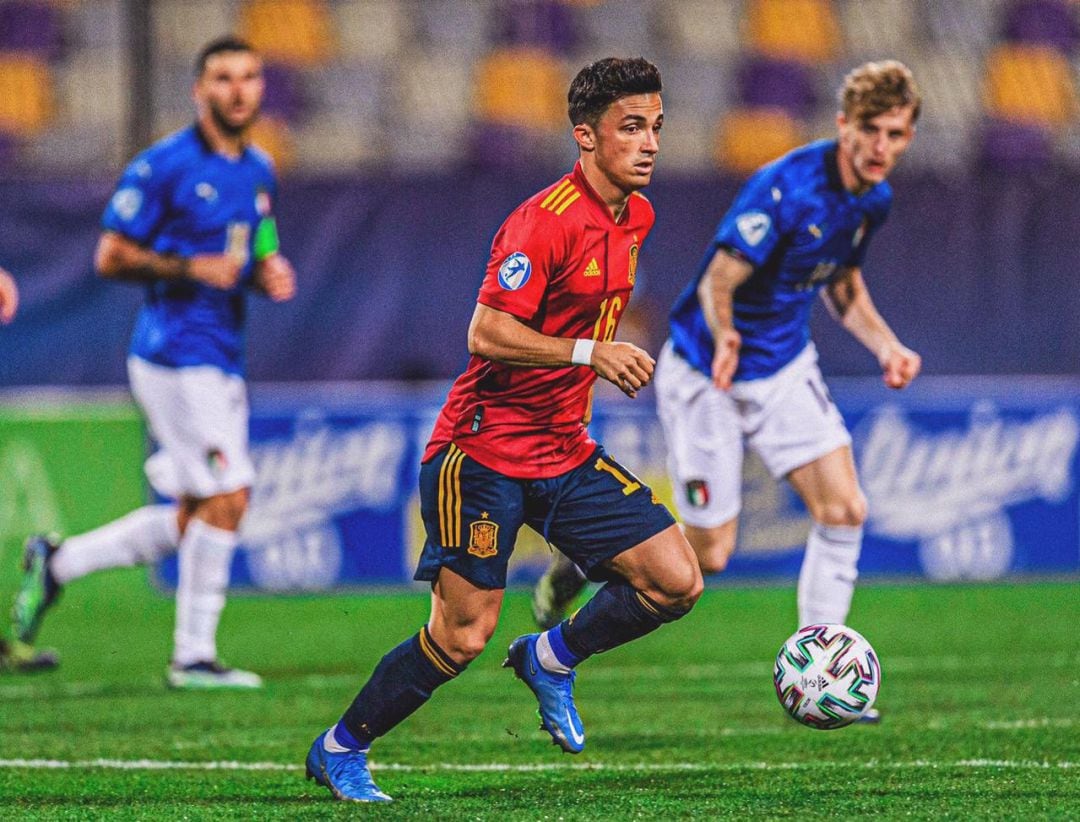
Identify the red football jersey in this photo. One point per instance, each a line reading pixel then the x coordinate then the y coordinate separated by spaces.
pixel 562 266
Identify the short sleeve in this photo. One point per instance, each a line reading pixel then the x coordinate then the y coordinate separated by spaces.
pixel 139 202
pixel 753 225
pixel 523 259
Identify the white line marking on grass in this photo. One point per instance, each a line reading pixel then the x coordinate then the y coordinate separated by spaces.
pixel 1029 724
pixel 538 767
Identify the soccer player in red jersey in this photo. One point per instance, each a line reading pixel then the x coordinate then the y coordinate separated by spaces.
pixel 511 445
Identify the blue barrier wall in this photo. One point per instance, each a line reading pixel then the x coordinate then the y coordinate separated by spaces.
pixel 966 478
pixel 979 274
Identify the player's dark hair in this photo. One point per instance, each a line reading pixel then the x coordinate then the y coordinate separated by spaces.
pixel 222 44
pixel 874 88
pixel 600 84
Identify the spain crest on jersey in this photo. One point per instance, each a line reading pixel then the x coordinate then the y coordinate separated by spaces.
pixel 483 538
pixel 632 267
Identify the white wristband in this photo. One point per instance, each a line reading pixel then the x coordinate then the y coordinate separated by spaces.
pixel 582 352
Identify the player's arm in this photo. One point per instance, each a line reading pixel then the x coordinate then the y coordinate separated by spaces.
pixel 9 297
pixel 120 258
pixel 501 337
pixel 716 291
pixel 849 302
pixel 276 278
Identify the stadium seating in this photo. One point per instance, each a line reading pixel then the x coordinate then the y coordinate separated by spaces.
pixel 298 32
pixel 26 95
pixel 749 137
pixel 486 78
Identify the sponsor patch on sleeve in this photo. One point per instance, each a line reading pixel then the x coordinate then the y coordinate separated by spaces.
pixel 126 203
pixel 753 226
pixel 515 271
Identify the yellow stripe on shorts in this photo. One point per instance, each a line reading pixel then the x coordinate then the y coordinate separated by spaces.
pixel 450 498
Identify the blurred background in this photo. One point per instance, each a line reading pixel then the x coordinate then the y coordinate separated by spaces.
pixel 406 130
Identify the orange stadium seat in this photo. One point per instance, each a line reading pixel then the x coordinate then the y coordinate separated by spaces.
pixel 297 32
pixel 521 87
pixel 750 137
pixel 274 137
pixel 26 94
pixel 1030 84
pixel 804 30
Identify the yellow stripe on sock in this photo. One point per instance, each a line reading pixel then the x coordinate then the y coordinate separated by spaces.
pixel 427 646
pixel 644 600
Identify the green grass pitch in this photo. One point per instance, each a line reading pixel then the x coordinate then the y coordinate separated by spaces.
pixel 981 697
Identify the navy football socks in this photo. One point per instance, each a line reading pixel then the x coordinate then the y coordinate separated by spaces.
pixel 402 681
pixel 617 614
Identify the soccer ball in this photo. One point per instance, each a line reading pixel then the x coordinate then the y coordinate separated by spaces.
pixel 826 676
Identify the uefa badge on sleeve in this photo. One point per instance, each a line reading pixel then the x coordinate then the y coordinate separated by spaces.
pixel 515 271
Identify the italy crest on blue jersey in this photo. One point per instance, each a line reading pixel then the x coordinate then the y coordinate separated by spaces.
pixel 798 226
pixel 180 197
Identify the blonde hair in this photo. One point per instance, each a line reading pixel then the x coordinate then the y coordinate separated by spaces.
pixel 874 88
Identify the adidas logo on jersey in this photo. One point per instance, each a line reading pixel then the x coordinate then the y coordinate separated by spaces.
pixel 592 269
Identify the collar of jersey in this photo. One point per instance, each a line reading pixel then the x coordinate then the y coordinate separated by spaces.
pixel 580 180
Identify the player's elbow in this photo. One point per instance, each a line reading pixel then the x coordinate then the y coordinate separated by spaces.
pixel 107 257
pixel 480 341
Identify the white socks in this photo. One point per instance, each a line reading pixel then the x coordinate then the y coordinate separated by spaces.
pixel 145 535
pixel 829 570
pixel 204 559
pixel 546 656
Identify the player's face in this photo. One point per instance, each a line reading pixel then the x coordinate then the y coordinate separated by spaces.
pixel 230 90
pixel 870 149
pixel 627 139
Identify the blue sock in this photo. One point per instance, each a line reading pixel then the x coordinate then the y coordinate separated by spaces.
pixel 347 740
pixel 617 614
pixel 403 680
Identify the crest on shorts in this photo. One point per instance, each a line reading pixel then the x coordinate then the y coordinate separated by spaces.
pixel 697 493
pixel 216 461
pixel 483 537
pixel 632 270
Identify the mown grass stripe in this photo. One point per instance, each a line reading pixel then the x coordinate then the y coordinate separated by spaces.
pixel 501 767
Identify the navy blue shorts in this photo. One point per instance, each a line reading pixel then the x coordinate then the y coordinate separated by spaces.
pixel 472 515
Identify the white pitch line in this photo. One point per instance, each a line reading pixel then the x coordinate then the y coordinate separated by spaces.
pixel 539 767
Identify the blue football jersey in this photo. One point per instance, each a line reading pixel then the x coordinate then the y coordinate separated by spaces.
pixel 181 197
pixel 794 221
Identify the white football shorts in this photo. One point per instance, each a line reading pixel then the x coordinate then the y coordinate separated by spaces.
pixel 198 418
pixel 788 419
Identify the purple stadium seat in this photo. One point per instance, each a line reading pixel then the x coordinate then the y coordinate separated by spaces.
pixel 1046 22
pixel 1016 146
pixel 9 150
pixel 547 24
pixel 31 26
pixel 507 147
pixel 284 92
pixel 783 84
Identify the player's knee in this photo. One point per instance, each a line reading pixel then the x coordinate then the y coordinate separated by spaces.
pixel 224 511
pixel 466 643
pixel 851 511
pixel 713 556
pixel 681 590
pixel 712 547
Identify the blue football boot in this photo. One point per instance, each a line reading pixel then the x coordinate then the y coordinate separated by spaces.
pixel 554 692
pixel 345 774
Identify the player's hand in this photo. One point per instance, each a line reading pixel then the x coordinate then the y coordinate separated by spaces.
pixel 899 365
pixel 9 297
pixel 624 365
pixel 215 270
pixel 276 277
pixel 726 358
